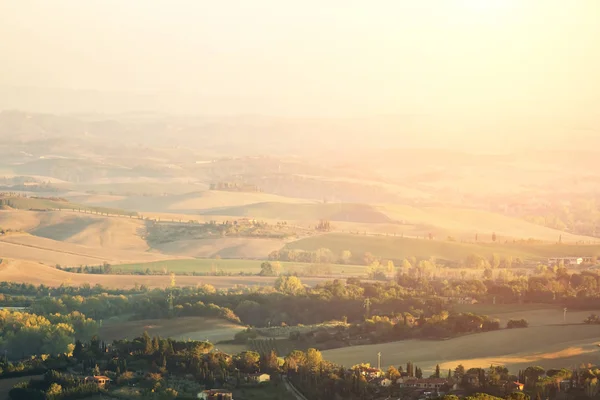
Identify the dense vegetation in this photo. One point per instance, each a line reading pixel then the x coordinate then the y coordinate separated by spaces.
pixel 157 368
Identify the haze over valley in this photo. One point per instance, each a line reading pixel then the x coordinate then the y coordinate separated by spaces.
pixel 304 201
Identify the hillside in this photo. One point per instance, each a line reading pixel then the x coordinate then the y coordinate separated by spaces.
pixel 561 346
pixel 394 247
pixel 33 203
pixel 20 271
pixel 222 247
pixel 51 252
pixel 108 233
pixel 307 212
pixel 465 223
pixel 186 203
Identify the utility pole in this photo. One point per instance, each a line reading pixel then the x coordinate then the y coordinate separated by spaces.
pixel 367 305
pixel 379 361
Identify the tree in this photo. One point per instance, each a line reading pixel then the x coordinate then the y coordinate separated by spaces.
pixel 295 359
pixel 437 371
pixel 269 362
pixel 418 373
pixel 369 259
pixel 459 372
pixel 533 374
pixel 495 261
pixel 54 390
pixel 390 267
pixel 290 285
pixel 393 373
pixel 494 237
pixel 314 359
pixel 488 274
pixel 78 350
pixel 345 257
pixel 269 268
pixel 147 341
pixel 249 361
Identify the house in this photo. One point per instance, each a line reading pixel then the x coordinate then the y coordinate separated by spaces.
pixel 215 394
pixel 430 383
pixel 259 378
pixel 99 380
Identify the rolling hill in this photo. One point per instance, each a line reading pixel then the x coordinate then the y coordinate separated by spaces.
pixel 256 248
pixel 24 246
pixel 307 212
pixel 35 203
pixel 465 223
pixel 108 233
pixel 189 203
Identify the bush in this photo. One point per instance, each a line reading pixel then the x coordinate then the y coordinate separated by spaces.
pixel 517 323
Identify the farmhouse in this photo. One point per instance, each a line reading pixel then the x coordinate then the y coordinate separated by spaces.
pixel 215 394
pixel 99 380
pixel 259 378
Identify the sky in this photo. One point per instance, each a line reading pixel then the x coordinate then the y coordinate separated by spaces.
pixel 461 59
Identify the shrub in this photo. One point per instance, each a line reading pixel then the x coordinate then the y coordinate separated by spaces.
pixel 517 323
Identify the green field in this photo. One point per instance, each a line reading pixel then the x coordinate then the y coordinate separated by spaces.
pixel 211 266
pixel 397 248
pixel 28 203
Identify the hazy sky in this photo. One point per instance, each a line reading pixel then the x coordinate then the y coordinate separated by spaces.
pixel 454 57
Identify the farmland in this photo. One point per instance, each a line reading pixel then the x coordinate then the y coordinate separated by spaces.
pixel 559 346
pixel 395 247
pixel 38 274
pixel 233 266
pixel 183 328
pixel 31 203
pixel 52 252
